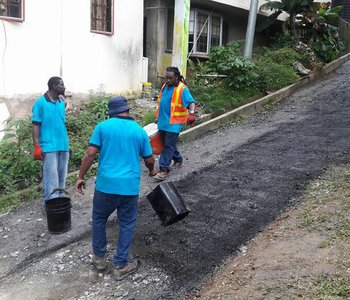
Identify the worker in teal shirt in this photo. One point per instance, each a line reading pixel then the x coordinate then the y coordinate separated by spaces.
pixel 120 142
pixel 174 101
pixel 50 138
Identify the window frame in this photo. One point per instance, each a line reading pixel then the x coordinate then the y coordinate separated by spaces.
pixel 169 48
pixel 92 2
pixel 13 19
pixel 194 52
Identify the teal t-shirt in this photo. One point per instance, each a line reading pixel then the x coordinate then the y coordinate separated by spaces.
pixel 51 116
pixel 164 109
pixel 122 142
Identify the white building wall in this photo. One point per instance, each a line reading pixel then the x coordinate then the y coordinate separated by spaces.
pixel 55 40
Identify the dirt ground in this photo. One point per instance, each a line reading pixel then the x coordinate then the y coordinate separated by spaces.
pixel 304 254
pixel 246 185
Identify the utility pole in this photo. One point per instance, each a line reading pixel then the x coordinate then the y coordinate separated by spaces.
pixel 249 38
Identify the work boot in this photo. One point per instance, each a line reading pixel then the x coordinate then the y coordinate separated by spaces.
pixel 99 262
pixel 130 268
pixel 177 164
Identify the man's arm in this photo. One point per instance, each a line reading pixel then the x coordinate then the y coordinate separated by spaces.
pixel 35 134
pixel 149 163
pixel 86 163
pixel 38 153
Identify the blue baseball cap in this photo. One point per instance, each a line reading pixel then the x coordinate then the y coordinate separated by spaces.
pixel 117 105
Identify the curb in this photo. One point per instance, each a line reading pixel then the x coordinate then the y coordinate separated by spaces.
pixel 259 105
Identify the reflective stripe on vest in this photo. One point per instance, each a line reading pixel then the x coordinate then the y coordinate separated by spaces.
pixel 178 113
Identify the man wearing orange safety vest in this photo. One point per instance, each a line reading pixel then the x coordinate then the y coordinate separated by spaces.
pixel 175 108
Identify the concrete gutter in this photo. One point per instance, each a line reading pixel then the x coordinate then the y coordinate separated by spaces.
pixel 259 105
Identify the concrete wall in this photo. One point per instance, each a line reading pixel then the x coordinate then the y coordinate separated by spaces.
pixel 55 39
pixel 158 58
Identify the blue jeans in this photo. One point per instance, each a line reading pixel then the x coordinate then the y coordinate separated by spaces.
pixel 55 168
pixel 170 151
pixel 103 206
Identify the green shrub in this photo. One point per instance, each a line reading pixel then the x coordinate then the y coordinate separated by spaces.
pixel 217 97
pixel 284 56
pixel 148 118
pixel 228 60
pixel 273 76
pixel 18 169
pixel 80 124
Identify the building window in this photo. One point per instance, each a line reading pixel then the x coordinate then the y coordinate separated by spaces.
pixel 205 31
pixel 102 16
pixel 12 10
pixel 169 30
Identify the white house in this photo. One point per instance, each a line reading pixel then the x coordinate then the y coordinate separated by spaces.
pixel 90 44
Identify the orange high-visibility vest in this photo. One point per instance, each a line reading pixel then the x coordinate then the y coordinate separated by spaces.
pixel 178 113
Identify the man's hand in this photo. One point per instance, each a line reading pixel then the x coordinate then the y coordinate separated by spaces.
pixel 80 185
pixel 153 173
pixel 191 119
pixel 38 152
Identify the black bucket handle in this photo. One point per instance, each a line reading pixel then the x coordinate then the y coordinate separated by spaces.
pixel 59 190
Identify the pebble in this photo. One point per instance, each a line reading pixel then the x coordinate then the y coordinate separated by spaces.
pixel 242 249
pixel 14 254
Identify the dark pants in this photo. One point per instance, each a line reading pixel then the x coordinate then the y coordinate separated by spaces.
pixel 170 151
pixel 103 205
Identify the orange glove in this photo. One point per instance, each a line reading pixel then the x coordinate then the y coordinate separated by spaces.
pixel 38 152
pixel 191 119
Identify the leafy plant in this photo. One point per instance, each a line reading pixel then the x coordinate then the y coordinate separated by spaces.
pixel 227 60
pixel 18 169
pixel 273 76
pixel 291 7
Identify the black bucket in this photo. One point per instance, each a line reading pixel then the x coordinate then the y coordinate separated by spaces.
pixel 168 203
pixel 58 213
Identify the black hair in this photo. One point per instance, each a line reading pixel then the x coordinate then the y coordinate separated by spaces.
pixel 176 71
pixel 53 81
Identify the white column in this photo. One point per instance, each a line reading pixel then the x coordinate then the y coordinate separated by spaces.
pixel 180 42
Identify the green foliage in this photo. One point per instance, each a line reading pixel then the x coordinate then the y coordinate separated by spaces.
pixel 80 125
pixel 273 76
pixel 283 40
pixel 285 56
pixel 291 7
pixel 18 169
pixel 227 60
pixel 334 287
pixel 328 45
pixel 217 97
pixel 148 118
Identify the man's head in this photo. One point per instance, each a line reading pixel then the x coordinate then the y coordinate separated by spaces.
pixel 172 75
pixel 117 105
pixel 56 85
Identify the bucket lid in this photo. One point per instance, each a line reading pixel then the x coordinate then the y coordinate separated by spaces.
pixel 151 129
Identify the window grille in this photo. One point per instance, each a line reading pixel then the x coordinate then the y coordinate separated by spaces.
pixel 205 31
pixel 102 16
pixel 12 10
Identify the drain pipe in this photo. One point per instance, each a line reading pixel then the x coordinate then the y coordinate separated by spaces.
pixel 249 38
